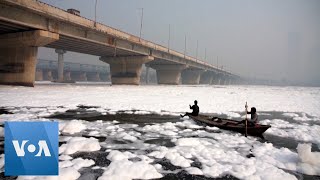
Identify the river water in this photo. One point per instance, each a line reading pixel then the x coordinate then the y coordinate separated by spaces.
pixel 135 132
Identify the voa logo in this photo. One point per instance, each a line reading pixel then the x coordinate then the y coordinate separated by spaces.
pixel 43 147
pixel 31 148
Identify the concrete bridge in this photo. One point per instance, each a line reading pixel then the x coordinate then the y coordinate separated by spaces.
pixel 47 70
pixel 27 25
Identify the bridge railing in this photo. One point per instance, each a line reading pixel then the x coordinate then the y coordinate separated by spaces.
pixel 123 35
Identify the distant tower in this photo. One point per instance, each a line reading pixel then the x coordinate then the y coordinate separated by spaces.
pixel 294 64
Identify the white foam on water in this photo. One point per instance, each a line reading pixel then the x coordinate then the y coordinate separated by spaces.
pixel 69 173
pixel 282 158
pixel 226 154
pixel 309 162
pixel 71 127
pixel 79 144
pixel 216 170
pixel 1 161
pixel 168 129
pixel 1 132
pixel 127 136
pixel 116 155
pixel 177 159
pixel 219 153
pixel 65 164
pixel 65 157
pixel 93 133
pixel 300 116
pixel 133 170
pixel 292 115
pixel 212 128
pixel 299 132
pixel 188 142
pixel 81 163
pixel 96 167
pixel 187 123
pixel 227 99
pixel 194 171
pixel 232 114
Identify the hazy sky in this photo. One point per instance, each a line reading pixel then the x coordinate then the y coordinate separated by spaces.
pixel 273 39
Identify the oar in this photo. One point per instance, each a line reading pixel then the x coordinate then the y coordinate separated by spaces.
pixel 246 119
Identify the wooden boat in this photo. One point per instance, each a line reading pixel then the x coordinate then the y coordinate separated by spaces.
pixel 229 124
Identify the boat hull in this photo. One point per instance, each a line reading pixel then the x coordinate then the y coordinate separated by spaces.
pixel 232 125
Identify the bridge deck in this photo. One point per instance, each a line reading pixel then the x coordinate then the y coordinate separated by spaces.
pixel 79 34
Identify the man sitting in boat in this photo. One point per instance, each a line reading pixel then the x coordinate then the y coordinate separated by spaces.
pixel 254 117
pixel 195 110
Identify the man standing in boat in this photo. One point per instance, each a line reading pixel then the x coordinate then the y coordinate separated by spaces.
pixel 254 117
pixel 195 110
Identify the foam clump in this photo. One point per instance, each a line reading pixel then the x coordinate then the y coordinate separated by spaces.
pixel 216 170
pixel 188 142
pixel 116 155
pixel 266 171
pixel 69 173
pixel 188 124
pixel 168 129
pixel 178 160
pixel 127 136
pixel 80 163
pixel 79 144
pixel 72 127
pixel 65 157
pixel 194 171
pixel 133 170
pixel 1 132
pixel 309 162
pixel 1 161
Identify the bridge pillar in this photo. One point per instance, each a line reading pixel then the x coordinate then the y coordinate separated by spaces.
pixel 104 76
pixel 93 76
pixel 79 76
pixel 147 74
pixel 191 76
pixel 83 76
pixel 60 64
pixel 168 73
pixel 206 77
pixel 126 70
pixel 47 75
pixel 67 76
pixel 18 55
pixel 229 80
pixel 223 79
pixel 39 75
pixel 215 78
